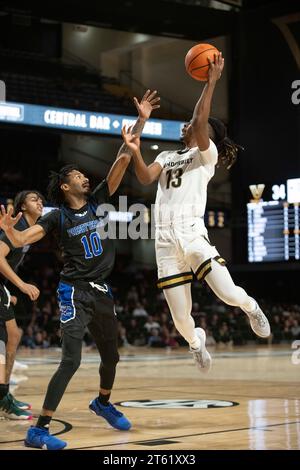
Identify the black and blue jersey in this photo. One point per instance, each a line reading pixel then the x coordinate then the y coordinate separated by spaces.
pixel 86 257
pixel 16 255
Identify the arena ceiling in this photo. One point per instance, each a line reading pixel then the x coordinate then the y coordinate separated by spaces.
pixel 190 19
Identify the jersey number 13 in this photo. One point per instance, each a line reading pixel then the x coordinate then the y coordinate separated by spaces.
pixel 174 178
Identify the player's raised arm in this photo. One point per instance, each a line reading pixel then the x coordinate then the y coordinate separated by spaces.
pixel 26 237
pixel 145 174
pixel 148 103
pixel 202 109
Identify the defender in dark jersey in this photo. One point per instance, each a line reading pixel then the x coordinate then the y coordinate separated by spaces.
pixel 85 298
pixel 31 204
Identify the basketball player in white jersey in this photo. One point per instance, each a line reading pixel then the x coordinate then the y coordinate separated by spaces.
pixel 182 244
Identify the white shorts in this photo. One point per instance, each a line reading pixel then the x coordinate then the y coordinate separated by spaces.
pixel 181 250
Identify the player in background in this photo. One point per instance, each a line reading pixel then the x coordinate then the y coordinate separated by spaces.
pixel 31 204
pixel 85 297
pixel 183 248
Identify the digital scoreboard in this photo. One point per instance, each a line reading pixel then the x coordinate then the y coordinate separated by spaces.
pixel 273 231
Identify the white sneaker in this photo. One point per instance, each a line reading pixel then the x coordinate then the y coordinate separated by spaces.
pixel 201 356
pixel 259 322
pixel 19 366
pixel 16 379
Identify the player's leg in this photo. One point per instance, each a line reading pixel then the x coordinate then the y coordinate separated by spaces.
pixel 221 283
pixel 8 406
pixel 104 329
pixel 14 336
pixel 208 265
pixel 175 277
pixel 179 300
pixel 38 436
pixel 3 341
pixel 73 306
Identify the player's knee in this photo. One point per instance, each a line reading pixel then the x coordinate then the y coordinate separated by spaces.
pixel 13 338
pixel 110 360
pixel 70 365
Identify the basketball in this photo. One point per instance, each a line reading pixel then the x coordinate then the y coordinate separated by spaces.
pixel 196 60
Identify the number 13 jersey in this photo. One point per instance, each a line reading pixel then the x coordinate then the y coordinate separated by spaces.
pixel 182 185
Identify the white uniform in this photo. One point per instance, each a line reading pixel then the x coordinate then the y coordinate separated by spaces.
pixel 181 240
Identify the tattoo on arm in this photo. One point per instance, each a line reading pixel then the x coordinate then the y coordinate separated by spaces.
pixel 137 129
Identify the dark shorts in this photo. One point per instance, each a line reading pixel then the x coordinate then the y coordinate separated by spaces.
pixel 6 309
pixel 82 305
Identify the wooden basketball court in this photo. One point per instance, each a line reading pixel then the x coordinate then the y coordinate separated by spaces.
pixel 249 400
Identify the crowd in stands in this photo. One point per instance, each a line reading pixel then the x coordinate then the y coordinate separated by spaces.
pixel 144 318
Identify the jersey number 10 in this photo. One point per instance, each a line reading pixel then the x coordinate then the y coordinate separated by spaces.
pixel 92 245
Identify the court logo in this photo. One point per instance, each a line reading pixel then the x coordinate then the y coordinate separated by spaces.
pixel 177 404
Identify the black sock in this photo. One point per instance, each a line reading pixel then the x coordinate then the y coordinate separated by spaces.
pixel 44 422
pixel 3 390
pixel 104 399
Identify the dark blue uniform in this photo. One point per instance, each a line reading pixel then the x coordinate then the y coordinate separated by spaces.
pixel 85 298
pixel 14 259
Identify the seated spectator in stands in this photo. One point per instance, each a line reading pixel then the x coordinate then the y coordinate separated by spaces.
pixel 28 338
pixel 55 338
pixel 155 339
pixel 151 323
pixel 276 328
pixel 224 337
pixel 287 334
pixel 295 329
pixel 122 338
pixel 40 340
pixel 135 333
pixel 133 294
pixel 168 339
pixel 139 311
pixel 210 340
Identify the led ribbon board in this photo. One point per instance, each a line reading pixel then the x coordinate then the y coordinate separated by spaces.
pixel 85 121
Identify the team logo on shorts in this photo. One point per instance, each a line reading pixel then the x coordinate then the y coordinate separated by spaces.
pixel 175 404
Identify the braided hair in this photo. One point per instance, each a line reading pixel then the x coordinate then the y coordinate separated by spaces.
pixel 227 149
pixel 55 193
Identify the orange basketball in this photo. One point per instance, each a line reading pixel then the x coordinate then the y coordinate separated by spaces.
pixel 196 62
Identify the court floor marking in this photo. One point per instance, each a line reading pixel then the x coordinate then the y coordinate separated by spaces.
pixel 254 428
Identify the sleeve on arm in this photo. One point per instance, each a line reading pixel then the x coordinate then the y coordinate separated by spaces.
pixel 210 155
pixel 20 226
pixel 50 221
pixel 161 157
pixel 4 239
pixel 101 192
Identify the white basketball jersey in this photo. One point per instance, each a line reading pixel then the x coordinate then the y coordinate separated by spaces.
pixel 182 185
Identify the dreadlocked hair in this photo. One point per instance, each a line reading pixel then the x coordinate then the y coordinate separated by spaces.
pixel 227 149
pixel 55 193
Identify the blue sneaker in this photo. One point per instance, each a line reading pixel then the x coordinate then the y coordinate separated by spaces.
pixel 114 417
pixel 41 439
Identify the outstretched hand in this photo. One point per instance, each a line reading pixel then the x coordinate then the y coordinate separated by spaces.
pixel 215 68
pixel 131 140
pixel 147 104
pixel 7 221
